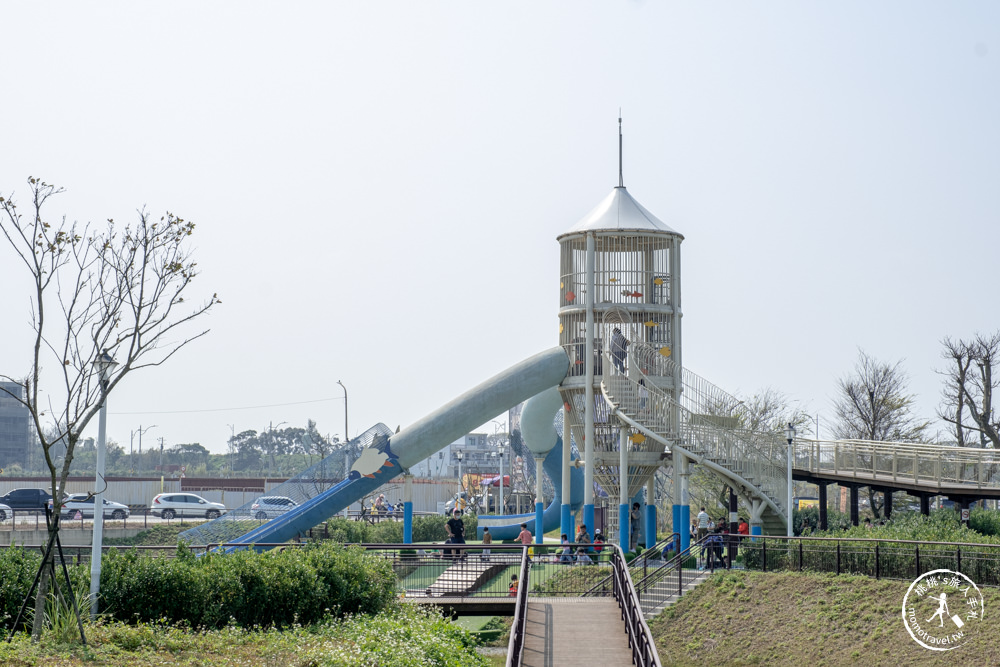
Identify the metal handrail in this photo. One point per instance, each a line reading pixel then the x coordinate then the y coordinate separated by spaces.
pixel 515 645
pixel 640 639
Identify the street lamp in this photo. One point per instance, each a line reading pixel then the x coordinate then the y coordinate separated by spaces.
pixel 790 437
pixel 347 438
pixel 105 366
pixel 132 435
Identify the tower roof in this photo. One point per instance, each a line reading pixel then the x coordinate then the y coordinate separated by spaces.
pixel 619 211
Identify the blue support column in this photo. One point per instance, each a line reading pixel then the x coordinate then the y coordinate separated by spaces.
pixel 757 530
pixel 675 515
pixel 685 527
pixel 588 521
pixel 623 528
pixel 566 520
pixel 650 525
pixel 408 523
pixel 539 534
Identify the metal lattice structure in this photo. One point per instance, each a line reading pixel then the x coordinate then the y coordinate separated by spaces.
pixel 306 485
pixel 707 424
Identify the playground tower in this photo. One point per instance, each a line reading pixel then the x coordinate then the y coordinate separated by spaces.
pixel 620 301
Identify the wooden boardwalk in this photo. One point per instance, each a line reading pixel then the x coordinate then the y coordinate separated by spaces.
pixel 575 631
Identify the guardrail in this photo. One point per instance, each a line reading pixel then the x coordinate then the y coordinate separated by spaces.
pixel 878 558
pixel 640 639
pixel 923 465
pixel 515 645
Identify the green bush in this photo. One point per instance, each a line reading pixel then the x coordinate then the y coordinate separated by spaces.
pixel 17 571
pixel 275 588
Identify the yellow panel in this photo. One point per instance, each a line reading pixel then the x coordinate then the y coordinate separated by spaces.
pixel 665 351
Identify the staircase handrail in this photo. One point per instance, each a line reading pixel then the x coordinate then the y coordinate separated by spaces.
pixel 640 638
pixel 515 645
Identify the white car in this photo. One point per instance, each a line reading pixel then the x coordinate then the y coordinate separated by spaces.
pixel 268 507
pixel 170 505
pixel 84 504
pixel 4 512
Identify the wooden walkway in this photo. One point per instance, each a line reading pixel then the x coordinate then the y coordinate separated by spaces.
pixel 575 631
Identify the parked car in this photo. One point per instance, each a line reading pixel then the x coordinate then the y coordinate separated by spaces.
pixel 268 507
pixel 26 499
pixel 169 505
pixel 84 504
pixel 4 512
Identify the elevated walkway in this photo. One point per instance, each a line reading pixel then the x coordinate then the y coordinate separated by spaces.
pixel 575 631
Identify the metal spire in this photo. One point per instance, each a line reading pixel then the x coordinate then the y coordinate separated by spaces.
pixel 621 181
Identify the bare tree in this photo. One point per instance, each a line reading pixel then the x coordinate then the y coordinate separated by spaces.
pixel 968 394
pixel 96 290
pixel 873 404
pixel 768 410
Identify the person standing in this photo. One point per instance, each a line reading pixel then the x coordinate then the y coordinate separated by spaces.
pixel 487 539
pixel 582 536
pixel 702 523
pixel 456 532
pixel 619 349
pixel 598 543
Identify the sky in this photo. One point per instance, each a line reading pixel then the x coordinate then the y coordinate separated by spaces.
pixel 378 187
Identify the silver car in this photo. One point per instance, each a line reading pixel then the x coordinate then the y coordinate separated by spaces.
pixel 4 512
pixel 169 505
pixel 84 504
pixel 268 507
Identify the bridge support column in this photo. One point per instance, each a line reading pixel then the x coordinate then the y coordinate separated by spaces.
pixel 854 504
pixel 650 511
pixel 756 522
pixel 408 509
pixel 925 505
pixel 887 502
pixel 822 506
pixel 734 519
pixel 685 509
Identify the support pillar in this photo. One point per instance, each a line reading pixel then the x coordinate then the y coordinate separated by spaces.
pixel 734 519
pixel 588 432
pixel 685 504
pixel 822 506
pixel 407 509
pixel 925 505
pixel 650 511
pixel 756 513
pixel 887 502
pixel 853 504
pixel 565 514
pixel 624 529
pixel 539 501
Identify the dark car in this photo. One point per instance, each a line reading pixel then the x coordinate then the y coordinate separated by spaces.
pixel 26 499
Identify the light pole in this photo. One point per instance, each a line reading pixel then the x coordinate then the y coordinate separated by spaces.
pixel 131 435
pixel 347 438
pixel 232 449
pixel 105 365
pixel 790 437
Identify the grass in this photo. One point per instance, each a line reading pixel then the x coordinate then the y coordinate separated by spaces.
pixel 753 618
pixel 403 636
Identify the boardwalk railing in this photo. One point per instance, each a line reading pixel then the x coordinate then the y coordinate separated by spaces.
pixel 882 559
pixel 928 466
pixel 515 646
pixel 640 639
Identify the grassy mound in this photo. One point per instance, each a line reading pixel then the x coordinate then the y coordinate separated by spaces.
pixel 754 618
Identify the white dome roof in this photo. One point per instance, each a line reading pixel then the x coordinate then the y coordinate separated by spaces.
pixel 619 211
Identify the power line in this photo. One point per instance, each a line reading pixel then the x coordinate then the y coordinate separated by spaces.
pixel 249 407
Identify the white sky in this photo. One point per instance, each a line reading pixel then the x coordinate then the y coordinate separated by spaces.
pixel 378 186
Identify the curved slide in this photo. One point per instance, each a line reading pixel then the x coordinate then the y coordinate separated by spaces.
pixel 389 454
pixel 540 435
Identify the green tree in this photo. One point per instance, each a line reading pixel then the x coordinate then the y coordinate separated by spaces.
pixel 98 291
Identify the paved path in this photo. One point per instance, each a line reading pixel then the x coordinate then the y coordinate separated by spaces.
pixel 575 631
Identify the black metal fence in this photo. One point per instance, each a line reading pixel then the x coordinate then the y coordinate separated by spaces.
pixel 882 559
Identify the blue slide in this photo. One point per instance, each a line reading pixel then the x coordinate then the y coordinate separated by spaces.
pixel 387 455
pixel 507 527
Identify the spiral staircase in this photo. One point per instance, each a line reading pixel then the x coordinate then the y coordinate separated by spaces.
pixel 705 424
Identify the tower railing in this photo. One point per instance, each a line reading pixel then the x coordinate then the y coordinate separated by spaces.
pixel 710 427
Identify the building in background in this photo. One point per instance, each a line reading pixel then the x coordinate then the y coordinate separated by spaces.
pixel 15 426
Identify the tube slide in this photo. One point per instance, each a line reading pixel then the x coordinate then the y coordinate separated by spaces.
pixel 389 455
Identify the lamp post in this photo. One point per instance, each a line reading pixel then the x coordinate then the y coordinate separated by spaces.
pixel 347 438
pixel 790 437
pixel 104 365
pixel 131 435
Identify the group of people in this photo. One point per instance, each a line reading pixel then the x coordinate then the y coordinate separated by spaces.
pixel 583 547
pixel 714 537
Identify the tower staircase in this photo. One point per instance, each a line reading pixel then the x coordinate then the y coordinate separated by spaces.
pixel 705 424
